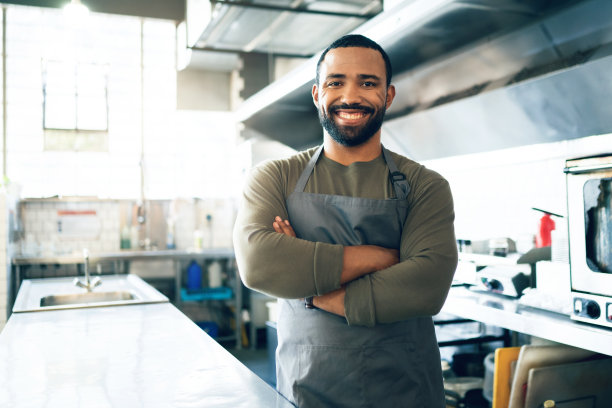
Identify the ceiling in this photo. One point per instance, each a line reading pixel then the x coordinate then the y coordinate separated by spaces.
pixel 163 9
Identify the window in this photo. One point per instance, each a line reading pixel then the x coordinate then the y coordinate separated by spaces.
pixel 75 106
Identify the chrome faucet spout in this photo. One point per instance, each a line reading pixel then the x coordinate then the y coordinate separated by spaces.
pixel 88 284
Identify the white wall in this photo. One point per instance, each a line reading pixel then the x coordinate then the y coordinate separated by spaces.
pixel 495 191
pixel 184 151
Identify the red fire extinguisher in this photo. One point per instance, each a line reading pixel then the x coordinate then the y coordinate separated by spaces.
pixel 547 224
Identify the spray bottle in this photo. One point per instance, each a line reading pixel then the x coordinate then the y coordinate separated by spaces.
pixel 547 224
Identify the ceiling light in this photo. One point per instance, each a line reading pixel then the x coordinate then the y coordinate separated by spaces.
pixel 75 11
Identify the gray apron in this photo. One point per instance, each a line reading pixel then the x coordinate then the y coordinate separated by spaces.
pixel 324 362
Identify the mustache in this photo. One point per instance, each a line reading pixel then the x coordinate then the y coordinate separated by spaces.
pixel 355 106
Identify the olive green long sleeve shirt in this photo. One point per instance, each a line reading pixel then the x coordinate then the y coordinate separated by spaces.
pixel 289 267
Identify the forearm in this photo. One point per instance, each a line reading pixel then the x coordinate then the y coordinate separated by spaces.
pixel 415 288
pixel 273 263
pixel 332 302
pixel 361 260
pixel 419 284
pixel 283 266
pixel 357 261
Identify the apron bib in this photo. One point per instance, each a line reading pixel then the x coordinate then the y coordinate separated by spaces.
pixel 324 362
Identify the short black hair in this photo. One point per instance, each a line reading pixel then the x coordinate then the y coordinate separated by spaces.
pixel 357 40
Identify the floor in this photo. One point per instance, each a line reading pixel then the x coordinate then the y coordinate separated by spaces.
pixel 258 359
pixel 258 362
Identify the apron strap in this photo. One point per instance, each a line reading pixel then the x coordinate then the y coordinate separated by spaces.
pixel 398 179
pixel 301 183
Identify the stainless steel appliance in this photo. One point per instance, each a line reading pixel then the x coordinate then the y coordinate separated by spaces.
pixel 589 184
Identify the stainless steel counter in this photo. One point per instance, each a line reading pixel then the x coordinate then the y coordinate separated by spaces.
pixel 505 312
pixel 125 356
pixel 122 259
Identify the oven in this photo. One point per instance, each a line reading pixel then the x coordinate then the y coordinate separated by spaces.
pixel 589 185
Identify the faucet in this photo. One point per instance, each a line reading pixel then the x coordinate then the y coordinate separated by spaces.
pixel 88 284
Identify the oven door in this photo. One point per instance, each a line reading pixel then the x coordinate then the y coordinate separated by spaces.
pixel 589 184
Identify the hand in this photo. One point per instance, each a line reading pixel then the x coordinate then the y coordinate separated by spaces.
pixel 283 227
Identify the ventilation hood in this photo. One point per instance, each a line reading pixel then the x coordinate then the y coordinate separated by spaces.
pixel 281 27
pixel 447 53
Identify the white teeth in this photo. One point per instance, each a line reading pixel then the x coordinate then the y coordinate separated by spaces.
pixel 347 115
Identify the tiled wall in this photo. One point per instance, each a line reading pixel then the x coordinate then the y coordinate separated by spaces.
pixel 494 192
pixel 42 234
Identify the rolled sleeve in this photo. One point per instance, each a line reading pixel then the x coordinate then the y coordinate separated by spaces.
pixel 359 303
pixel 327 267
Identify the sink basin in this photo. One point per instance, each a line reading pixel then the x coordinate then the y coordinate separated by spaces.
pixel 61 293
pixel 87 297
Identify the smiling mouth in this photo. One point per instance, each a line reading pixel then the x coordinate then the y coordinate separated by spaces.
pixel 351 113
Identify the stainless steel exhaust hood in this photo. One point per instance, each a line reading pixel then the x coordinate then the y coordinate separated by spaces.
pixel 284 27
pixel 445 52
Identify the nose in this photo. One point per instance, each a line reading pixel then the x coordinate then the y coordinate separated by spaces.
pixel 351 93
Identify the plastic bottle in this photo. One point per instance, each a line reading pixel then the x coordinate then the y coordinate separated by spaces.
pixel 214 275
pixel 170 234
pixel 194 276
pixel 126 242
pixel 546 226
pixel 197 239
pixel 134 237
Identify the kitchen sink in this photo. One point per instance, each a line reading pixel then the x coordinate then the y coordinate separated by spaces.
pixel 87 297
pixel 61 293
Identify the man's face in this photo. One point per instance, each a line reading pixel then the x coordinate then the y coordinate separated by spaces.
pixel 352 95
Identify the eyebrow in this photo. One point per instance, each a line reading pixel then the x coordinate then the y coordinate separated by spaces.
pixel 360 76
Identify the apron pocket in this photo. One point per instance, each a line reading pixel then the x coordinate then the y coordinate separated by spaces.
pixel 329 376
pixel 392 373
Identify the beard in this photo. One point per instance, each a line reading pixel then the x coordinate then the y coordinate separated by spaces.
pixel 351 136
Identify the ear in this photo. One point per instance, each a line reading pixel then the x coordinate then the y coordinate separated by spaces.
pixel 315 95
pixel 390 95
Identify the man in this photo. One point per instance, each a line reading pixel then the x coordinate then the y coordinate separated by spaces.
pixel 364 235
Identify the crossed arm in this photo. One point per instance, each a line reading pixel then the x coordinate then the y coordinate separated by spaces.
pixel 366 284
pixel 357 261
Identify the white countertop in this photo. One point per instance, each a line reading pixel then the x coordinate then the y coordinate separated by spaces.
pixel 122 356
pixel 501 311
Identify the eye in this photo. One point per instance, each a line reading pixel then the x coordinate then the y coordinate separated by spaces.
pixel 369 84
pixel 334 83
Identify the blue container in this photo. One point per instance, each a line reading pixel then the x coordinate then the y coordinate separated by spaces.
pixel 206 294
pixel 210 328
pixel 194 276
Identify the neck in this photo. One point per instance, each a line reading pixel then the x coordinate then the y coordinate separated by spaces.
pixel 346 155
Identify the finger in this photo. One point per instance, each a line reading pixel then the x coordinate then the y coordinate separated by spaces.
pixel 279 225
pixel 276 227
pixel 289 229
pixel 284 227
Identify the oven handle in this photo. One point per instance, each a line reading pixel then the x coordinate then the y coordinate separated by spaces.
pixel 587 169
